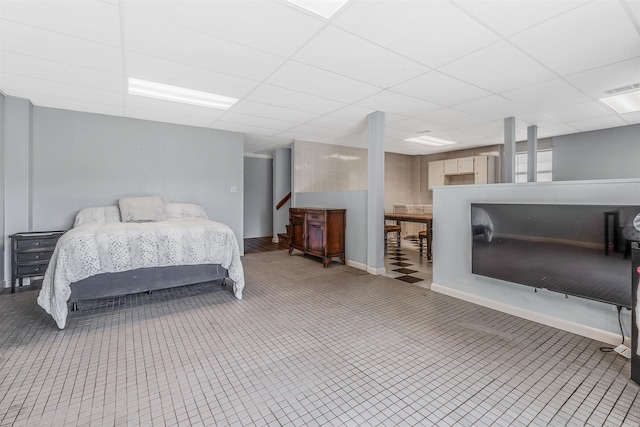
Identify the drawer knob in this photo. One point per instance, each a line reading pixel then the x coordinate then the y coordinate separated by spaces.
pixel 37 243
pixel 38 256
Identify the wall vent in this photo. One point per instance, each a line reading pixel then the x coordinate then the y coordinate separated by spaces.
pixel 621 89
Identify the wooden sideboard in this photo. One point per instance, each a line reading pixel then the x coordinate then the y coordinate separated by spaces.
pixel 318 232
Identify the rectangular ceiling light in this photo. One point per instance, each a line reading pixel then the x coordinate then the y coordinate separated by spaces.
pixel 429 140
pixel 179 94
pixel 324 8
pixel 624 103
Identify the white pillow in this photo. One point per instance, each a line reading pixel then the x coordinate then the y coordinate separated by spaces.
pixel 99 215
pixel 184 210
pixel 141 209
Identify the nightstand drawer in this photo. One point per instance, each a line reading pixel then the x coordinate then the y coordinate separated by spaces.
pixel 27 257
pixel 48 242
pixel 32 270
pixel 31 252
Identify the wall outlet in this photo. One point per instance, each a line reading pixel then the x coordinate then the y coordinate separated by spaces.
pixel 234 189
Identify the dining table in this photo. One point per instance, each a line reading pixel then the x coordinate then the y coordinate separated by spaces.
pixel 421 218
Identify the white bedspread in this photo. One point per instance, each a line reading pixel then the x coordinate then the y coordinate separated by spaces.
pixel 94 248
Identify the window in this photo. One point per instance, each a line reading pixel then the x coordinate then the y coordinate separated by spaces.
pixel 545 166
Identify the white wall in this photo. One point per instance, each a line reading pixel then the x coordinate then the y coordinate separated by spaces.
pixel 601 154
pixel 258 197
pixel 452 253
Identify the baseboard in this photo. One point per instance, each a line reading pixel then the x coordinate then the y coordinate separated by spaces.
pixel 376 271
pixel 356 264
pixel 565 325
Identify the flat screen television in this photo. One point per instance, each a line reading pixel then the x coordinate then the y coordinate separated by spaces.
pixel 578 250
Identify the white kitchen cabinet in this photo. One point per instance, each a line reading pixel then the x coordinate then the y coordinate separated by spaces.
pixel 436 174
pixel 463 170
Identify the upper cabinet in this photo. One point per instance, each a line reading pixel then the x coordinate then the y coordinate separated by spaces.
pixel 464 170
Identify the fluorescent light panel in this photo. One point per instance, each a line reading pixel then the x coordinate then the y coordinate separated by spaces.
pixel 429 140
pixel 624 103
pixel 324 8
pixel 179 94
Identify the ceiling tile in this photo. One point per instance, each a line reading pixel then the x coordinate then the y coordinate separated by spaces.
pixel 509 17
pixel 551 130
pixel 44 69
pixel 174 73
pixel 551 93
pixel 347 126
pixel 167 117
pixel 448 117
pixel 29 41
pixel 415 125
pixel 598 123
pixel 320 131
pixel 90 20
pixel 265 25
pixel 238 118
pixel 271 111
pixel 269 94
pixel 441 89
pixel 631 118
pixel 493 107
pixel 498 68
pixel 579 111
pixel 342 53
pixel 307 79
pixel 352 112
pixel 244 128
pixel 431 32
pixel 135 102
pixel 596 34
pixel 595 82
pixel 151 37
pixel 92 106
pixel 396 103
pixel 52 89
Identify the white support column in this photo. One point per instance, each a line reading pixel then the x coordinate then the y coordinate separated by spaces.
pixel 508 159
pixel 375 194
pixel 532 153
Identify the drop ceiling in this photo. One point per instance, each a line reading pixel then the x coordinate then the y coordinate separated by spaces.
pixel 449 69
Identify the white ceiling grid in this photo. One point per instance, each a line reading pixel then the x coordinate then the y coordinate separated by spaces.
pixel 454 68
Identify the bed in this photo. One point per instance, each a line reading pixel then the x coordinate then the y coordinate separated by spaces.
pixel 140 245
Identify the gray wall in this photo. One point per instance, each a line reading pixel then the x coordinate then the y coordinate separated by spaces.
pixel 281 187
pixel 452 251
pixel 355 202
pixel 600 154
pixel 258 197
pixel 84 159
pixel 56 162
pixel 18 141
pixel 2 157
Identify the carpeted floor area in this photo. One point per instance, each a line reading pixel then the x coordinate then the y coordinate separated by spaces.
pixel 306 346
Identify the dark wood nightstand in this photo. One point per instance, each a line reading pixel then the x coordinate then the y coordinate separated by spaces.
pixel 30 254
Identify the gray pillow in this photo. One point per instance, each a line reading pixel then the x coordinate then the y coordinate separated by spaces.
pixel 141 209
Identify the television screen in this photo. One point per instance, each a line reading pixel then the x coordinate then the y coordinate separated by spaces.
pixel 578 250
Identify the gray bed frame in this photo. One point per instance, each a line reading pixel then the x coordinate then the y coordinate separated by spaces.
pixel 143 280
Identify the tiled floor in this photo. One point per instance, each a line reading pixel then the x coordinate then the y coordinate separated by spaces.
pixel 406 264
pixel 307 346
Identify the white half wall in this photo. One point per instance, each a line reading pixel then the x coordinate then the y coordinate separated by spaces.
pixel 452 254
